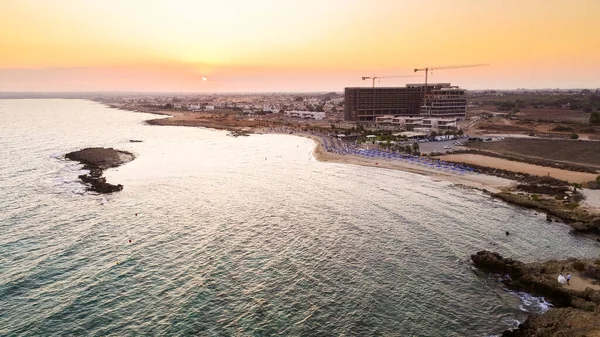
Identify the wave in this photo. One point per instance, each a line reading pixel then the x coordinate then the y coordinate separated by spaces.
pixel 532 304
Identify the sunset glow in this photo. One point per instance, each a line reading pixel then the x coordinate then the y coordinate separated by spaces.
pixel 309 45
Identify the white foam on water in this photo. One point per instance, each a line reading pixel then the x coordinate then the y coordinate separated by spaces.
pixel 532 304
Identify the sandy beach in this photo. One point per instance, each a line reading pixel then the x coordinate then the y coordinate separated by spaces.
pixel 478 181
pixel 218 121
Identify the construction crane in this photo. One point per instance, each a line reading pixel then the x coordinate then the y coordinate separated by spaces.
pixel 427 69
pixel 379 77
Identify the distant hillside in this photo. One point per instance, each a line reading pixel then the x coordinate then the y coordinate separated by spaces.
pixel 332 95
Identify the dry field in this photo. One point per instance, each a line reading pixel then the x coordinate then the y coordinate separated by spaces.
pixel 558 115
pixel 569 151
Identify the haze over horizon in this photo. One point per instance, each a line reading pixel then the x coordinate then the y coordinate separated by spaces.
pixel 294 46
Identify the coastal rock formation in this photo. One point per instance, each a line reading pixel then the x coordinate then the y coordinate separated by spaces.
pixel 580 220
pixel 578 311
pixel 558 322
pixel 96 160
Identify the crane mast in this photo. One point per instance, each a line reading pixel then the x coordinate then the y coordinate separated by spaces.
pixel 427 69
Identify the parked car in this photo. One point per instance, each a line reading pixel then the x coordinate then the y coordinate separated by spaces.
pixel 447 147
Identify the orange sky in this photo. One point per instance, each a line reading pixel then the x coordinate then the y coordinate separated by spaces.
pixel 294 45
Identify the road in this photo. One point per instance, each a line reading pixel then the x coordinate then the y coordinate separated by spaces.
pixel 429 147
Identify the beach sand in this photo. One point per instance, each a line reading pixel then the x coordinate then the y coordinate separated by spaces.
pixel 478 181
pixel 216 121
pixel 475 159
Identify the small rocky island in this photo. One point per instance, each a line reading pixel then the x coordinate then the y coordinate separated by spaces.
pixel 96 160
pixel 576 305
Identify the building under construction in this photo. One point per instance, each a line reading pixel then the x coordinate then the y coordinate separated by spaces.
pixel 431 100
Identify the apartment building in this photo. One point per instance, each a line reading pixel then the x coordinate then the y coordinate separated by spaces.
pixel 433 100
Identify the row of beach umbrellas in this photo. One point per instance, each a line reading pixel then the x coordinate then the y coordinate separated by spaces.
pixel 426 162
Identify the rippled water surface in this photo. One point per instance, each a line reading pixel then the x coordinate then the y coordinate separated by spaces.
pixel 240 236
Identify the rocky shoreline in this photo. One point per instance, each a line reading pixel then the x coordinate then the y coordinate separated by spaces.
pixel 579 220
pixel 96 160
pixel 546 194
pixel 575 313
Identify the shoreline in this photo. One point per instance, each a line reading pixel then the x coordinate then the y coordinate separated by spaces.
pixel 485 183
pixel 575 305
pixel 496 185
pixel 491 185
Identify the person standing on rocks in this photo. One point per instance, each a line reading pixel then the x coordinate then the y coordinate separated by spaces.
pixel 568 278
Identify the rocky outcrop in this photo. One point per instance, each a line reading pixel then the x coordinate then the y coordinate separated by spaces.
pixel 579 312
pixel 581 221
pixel 542 189
pixel 558 322
pixel 96 160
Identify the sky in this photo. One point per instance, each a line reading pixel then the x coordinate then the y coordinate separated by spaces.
pixel 295 45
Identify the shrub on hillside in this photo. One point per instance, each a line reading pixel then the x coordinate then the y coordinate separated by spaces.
pixel 561 128
pixel 592 271
pixel 574 136
pixel 579 266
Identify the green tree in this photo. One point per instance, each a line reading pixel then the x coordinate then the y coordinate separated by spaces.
pixel 415 147
pixel 574 136
pixel 595 118
pixel 433 134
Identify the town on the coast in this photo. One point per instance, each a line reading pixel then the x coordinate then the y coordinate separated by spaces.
pixel 298 168
pixel 534 148
pixel 543 144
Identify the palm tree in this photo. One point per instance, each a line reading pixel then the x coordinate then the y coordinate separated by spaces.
pixel 415 147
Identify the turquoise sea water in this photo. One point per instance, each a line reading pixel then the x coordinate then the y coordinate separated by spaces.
pixel 245 236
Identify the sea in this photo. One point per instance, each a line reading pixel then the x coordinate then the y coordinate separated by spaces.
pixel 214 235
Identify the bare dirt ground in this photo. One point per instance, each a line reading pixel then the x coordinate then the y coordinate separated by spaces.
pixel 579 282
pixel 568 151
pixel 542 122
pixel 592 198
pixel 214 120
pixel 570 176
pixel 559 115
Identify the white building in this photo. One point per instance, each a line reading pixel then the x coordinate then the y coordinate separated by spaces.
pixel 194 107
pixel 447 123
pixel 445 102
pixel 387 119
pixel 408 121
pixel 305 114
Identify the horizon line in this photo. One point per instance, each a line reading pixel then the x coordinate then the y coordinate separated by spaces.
pixel 256 92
